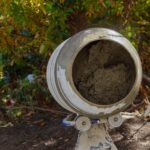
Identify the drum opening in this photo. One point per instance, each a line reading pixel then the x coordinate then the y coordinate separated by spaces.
pixel 104 72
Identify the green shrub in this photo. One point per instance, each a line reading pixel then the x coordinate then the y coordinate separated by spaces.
pixel 31 29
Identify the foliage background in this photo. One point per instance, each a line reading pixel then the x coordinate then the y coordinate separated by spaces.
pixel 31 29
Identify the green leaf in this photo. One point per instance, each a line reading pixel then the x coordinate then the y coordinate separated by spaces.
pixel 129 34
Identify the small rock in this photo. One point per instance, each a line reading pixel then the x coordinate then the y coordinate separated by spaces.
pixel 50 142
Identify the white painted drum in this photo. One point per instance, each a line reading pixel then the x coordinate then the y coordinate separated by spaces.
pixel 60 80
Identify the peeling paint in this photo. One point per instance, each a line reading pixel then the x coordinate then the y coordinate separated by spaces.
pixel 79 103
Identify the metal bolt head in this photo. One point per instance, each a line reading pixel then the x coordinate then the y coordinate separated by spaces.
pixel 82 123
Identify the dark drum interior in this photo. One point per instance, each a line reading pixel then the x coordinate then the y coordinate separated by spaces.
pixel 103 72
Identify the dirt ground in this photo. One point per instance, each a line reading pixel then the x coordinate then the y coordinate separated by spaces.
pixel 44 131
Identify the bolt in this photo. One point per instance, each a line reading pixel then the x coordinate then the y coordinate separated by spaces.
pixel 115 119
pixel 83 123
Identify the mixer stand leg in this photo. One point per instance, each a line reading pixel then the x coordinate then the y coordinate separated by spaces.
pixel 96 138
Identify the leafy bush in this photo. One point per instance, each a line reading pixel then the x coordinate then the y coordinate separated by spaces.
pixel 31 29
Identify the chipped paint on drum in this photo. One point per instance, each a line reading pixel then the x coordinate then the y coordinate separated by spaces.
pixel 59 74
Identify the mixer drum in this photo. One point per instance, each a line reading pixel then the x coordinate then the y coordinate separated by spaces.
pixel 95 73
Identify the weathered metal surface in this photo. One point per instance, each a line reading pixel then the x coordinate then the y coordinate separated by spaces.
pixel 59 74
pixel 83 123
pixel 115 120
pixel 97 138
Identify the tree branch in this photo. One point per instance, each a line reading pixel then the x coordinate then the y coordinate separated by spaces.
pixel 41 109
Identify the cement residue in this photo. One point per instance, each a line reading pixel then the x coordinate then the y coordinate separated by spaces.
pixel 103 73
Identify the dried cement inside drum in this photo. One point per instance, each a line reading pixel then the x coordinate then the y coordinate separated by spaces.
pixel 103 72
